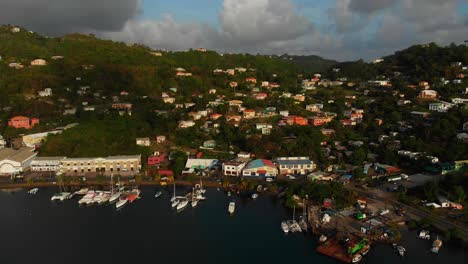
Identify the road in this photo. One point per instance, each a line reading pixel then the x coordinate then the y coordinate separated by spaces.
pixel 439 222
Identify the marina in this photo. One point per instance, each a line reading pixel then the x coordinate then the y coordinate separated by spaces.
pixel 255 226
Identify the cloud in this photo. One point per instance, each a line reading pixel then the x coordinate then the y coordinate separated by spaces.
pixel 369 6
pixel 57 17
pixel 262 20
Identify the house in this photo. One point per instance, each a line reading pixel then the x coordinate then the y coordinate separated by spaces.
pixel 160 139
pixel 209 144
pixel 249 113
pixel 459 101
pixel 123 165
pixel 233 167
pixel 23 122
pixel 145 142
pixel 428 94
pixel 230 72
pixel 15 65
pixel 200 164
pixel 122 106
pixel 233 84
pixel 186 124
pixel 45 93
pixel 265 84
pixel 212 91
pixel 440 106
pixel 327 132
pixel 295 165
pixel 14 162
pixel 237 103
pixel 46 164
pixel 260 168
pixel 348 122
pixel 235 118
pixel 251 80
pixel 419 114
pixel 215 116
pixel 284 113
pixel 295 120
pixel 320 120
pixel 15 29
pixel 260 96
pixel 38 62
pixel 169 100
pixel 299 97
pixel 218 71
pixel 314 107
pixel 274 85
pixel 243 155
pixel 385 169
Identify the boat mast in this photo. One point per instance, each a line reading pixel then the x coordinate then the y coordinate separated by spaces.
pixel 112 183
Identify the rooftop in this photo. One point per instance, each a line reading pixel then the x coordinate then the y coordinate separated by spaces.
pixel 19 155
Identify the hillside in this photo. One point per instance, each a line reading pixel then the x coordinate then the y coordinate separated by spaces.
pixel 311 63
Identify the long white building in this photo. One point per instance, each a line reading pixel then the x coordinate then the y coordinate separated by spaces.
pixel 14 162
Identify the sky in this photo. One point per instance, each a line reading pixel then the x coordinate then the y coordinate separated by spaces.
pixel 335 29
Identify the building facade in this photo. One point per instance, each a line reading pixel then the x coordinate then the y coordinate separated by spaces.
pixel 123 165
pixel 260 168
pixel 233 168
pixel 14 162
pixel 23 122
pixel 295 165
pixel 46 164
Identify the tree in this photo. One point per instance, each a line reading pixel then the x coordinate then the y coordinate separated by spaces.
pixel 457 193
pixel 431 191
pixel 358 173
pixel 359 156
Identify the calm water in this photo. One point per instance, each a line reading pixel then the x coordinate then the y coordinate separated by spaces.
pixel 35 230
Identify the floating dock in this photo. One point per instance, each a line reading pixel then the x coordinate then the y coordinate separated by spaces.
pixel 334 249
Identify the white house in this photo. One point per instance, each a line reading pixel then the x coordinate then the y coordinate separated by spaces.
pixel 2 142
pixel 14 162
pixel 45 93
pixel 233 167
pixel 186 124
pixel 295 165
pixel 145 142
pixel 440 106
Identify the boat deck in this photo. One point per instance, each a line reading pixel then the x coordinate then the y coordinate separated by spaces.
pixel 334 249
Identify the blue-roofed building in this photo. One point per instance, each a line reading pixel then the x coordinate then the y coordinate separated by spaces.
pixel 260 168
pixel 295 165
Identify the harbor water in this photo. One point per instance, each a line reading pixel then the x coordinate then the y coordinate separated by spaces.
pixel 35 230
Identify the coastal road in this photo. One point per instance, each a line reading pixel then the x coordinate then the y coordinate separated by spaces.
pixel 439 222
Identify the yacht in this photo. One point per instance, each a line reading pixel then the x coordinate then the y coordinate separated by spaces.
pixel 175 203
pixel 401 250
pixel 356 258
pixel 424 234
pixel 194 203
pixel 88 198
pixel 157 194
pixel 60 196
pixel 114 197
pixel 122 202
pixel 182 204
pixel 436 245
pixel 323 238
pixel 254 196
pixel 33 191
pixel 285 227
pixel 232 208
pixel 82 191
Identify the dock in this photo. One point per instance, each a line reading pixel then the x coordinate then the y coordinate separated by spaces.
pixel 334 249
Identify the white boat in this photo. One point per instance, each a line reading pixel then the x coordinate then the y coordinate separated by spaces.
pixel 200 197
pixel 114 197
pixel 157 194
pixel 88 198
pixel 33 191
pixel 122 202
pixel 175 203
pixel 60 196
pixel 229 194
pixel 401 250
pixel 173 199
pixel 201 187
pixel 424 234
pixel 436 245
pixel 323 238
pixel 182 204
pixel 285 227
pixel 254 196
pixel 232 208
pixel 259 188
pixel 356 258
pixel 194 203
pixel 82 191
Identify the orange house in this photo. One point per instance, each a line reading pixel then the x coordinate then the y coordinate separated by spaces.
pixel 23 122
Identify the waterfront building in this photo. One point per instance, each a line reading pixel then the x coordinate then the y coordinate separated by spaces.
pixel 14 162
pixel 50 164
pixel 144 142
pixel 295 165
pixel 123 165
pixel 233 167
pixel 260 168
pixel 200 163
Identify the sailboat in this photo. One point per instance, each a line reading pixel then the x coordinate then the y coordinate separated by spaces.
pixel 293 225
pixel 61 195
pixel 122 202
pixel 33 191
pixel 182 204
pixel 114 195
pixel 232 207
pixel 173 199
pixel 201 187
pixel 194 199
pixel 303 221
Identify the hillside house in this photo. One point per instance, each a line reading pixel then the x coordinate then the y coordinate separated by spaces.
pixel 145 142
pixel 235 103
pixel 260 96
pixel 249 113
pixel 251 80
pixel 160 139
pixel 23 122
pixel 440 106
pixel 314 108
pixel 233 84
pixel 428 94
pixel 45 93
pixel 169 100
pixel 156 160
pixel 38 62
pixel 186 124
pixel 320 120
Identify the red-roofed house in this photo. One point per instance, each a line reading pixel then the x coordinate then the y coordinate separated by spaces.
pixel 319 121
pixel 251 80
pixel 215 116
pixel 23 122
pixel 156 160
pixel 260 96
